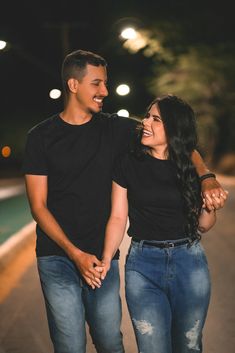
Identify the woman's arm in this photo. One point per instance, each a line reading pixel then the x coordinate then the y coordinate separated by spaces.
pixel 116 225
pixel 206 220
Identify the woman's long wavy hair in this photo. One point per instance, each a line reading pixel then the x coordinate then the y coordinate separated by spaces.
pixel 180 128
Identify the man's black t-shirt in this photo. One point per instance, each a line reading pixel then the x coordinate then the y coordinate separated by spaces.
pixel 155 202
pixel 78 161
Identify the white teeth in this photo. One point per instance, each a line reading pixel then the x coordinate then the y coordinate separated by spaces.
pixel 147 133
pixel 98 100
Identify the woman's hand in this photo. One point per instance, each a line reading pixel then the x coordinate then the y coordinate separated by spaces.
pixel 106 266
pixel 101 274
pixel 94 281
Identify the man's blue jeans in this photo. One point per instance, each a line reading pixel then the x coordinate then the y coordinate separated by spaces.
pixel 168 293
pixel 70 302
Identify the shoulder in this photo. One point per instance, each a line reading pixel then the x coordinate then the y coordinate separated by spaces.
pixel 126 159
pixel 124 122
pixel 43 126
pixel 117 120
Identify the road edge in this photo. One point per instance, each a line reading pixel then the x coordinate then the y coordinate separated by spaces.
pixel 16 243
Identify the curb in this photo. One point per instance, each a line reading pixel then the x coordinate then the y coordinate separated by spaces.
pixel 15 243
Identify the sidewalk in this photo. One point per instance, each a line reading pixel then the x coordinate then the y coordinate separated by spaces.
pixel 226 180
pixel 11 187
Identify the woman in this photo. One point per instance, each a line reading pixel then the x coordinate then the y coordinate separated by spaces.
pixel 167 278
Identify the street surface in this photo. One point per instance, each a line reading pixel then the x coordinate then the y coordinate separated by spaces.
pixel 23 326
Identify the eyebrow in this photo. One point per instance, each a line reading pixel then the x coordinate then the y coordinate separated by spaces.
pixel 98 80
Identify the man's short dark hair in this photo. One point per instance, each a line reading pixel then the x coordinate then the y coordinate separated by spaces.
pixel 75 63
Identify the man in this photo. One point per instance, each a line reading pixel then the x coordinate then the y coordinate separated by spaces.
pixel 68 167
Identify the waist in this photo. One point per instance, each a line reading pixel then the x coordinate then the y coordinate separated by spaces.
pixel 166 243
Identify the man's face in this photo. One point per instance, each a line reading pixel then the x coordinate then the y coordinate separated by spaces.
pixel 91 90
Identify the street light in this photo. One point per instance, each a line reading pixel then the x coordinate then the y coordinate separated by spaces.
pixel 123 89
pixel 128 33
pixel 3 44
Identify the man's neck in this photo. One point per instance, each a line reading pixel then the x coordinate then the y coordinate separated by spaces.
pixel 75 116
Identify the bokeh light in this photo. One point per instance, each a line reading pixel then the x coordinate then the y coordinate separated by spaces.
pixel 55 93
pixel 123 112
pixel 2 44
pixel 6 151
pixel 123 90
pixel 128 33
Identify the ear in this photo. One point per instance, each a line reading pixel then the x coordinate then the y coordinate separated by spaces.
pixel 73 85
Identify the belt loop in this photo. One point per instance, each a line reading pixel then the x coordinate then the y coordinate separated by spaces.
pixel 141 244
pixel 191 241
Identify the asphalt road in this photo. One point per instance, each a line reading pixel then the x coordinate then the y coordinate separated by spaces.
pixel 23 327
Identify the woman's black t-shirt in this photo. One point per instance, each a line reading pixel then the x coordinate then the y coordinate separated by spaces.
pixel 155 202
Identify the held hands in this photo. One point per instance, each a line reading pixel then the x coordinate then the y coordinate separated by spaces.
pixel 214 196
pixel 103 270
pixel 89 267
pixel 92 269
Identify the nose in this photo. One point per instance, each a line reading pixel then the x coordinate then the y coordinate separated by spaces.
pixel 103 90
pixel 146 122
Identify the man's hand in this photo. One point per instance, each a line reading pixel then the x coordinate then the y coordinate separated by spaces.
pixel 89 267
pixel 213 194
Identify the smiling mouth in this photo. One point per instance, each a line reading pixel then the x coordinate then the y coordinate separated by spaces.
pixel 147 133
pixel 98 100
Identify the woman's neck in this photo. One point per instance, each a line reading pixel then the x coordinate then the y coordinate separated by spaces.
pixel 159 153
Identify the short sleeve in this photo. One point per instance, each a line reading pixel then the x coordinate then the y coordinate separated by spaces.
pixel 124 132
pixel 120 172
pixel 34 161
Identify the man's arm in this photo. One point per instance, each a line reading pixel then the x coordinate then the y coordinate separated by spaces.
pixel 213 193
pixel 36 186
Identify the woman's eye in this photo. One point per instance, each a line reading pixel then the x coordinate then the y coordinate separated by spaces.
pixel 157 119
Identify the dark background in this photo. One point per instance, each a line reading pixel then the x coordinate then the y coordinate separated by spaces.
pixel 196 61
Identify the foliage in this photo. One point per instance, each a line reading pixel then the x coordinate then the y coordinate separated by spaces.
pixel 204 75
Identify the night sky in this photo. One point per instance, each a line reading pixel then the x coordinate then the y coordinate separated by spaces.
pixel 41 33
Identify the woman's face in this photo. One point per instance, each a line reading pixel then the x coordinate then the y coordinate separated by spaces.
pixel 153 130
